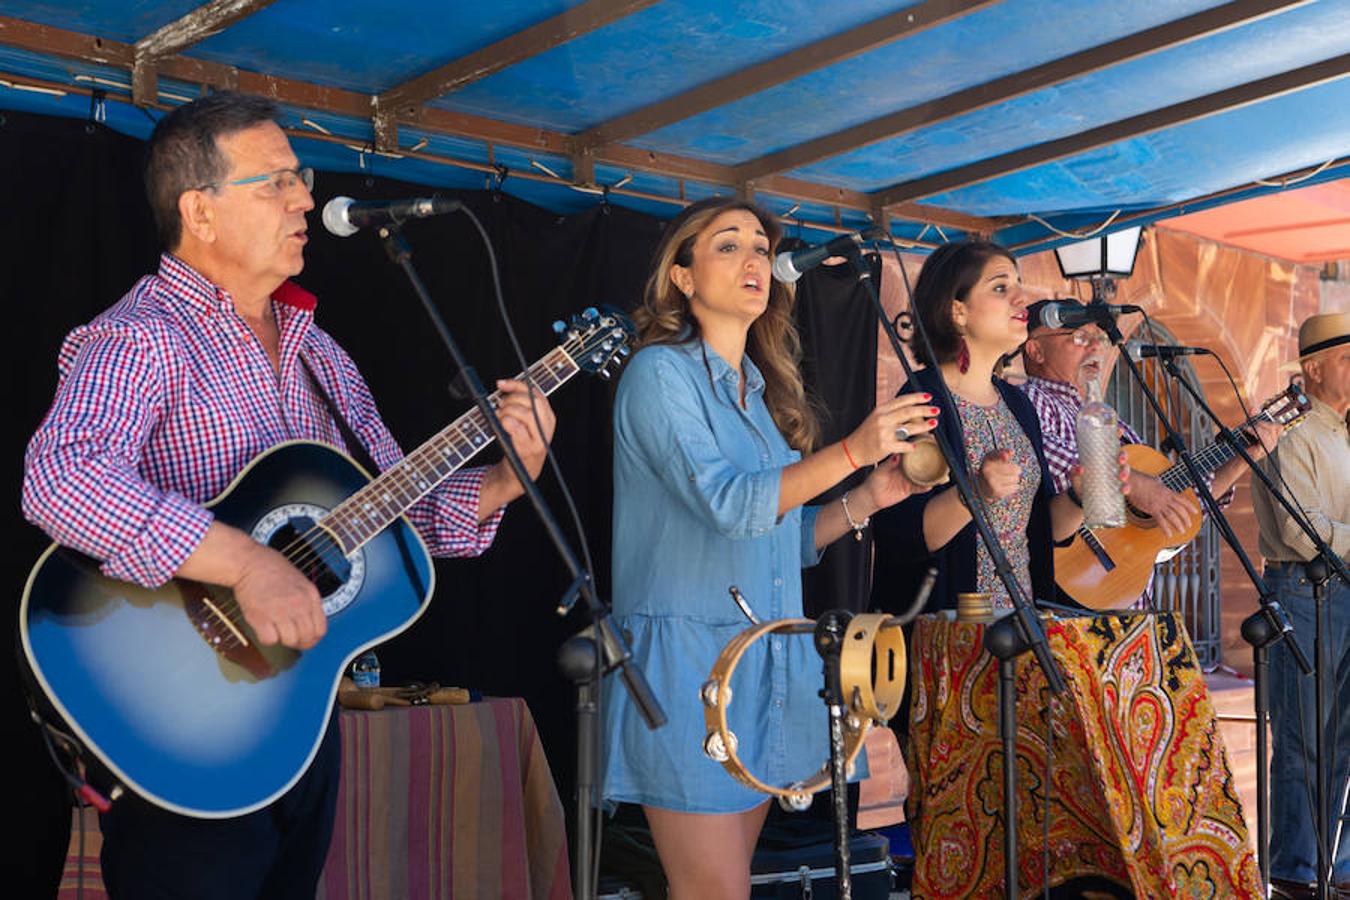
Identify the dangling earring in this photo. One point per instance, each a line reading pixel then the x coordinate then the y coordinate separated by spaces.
pixel 962 356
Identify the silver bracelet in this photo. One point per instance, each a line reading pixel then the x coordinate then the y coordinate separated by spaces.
pixel 856 526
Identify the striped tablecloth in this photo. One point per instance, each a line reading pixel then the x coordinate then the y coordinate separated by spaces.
pixel 436 801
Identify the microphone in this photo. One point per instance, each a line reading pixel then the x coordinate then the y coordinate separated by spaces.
pixel 1072 314
pixel 788 267
pixel 344 216
pixel 1140 351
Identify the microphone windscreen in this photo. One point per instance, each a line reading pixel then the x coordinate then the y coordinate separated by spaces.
pixel 784 270
pixel 1050 313
pixel 335 217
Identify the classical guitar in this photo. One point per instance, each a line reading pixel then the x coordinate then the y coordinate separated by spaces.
pixel 170 690
pixel 1110 567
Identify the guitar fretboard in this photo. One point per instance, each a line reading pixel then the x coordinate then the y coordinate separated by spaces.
pixel 1209 458
pixel 370 510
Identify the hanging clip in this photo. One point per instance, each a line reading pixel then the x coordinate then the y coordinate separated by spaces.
pixel 497 178
pixel 98 107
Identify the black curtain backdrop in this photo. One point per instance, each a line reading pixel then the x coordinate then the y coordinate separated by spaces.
pixel 76 235
pixel 838 325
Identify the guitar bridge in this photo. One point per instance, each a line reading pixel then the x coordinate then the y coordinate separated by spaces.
pixel 220 629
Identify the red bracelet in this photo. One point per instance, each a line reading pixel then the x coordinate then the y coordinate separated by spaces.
pixel 847 455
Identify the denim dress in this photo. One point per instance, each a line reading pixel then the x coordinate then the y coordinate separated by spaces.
pixel 696 485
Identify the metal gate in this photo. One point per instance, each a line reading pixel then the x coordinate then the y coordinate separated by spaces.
pixel 1188 583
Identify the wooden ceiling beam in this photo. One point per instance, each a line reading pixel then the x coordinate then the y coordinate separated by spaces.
pixel 1115 132
pixel 305 95
pixel 41 38
pixel 1000 90
pixel 792 188
pixel 814 192
pixel 178 35
pixel 772 72
pixel 617 190
pixel 403 99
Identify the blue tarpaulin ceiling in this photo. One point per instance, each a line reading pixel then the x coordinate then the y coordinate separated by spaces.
pixel 1023 119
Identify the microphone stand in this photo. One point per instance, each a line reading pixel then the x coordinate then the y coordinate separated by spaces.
pixel 1012 634
pixel 829 642
pixel 1270 624
pixel 610 651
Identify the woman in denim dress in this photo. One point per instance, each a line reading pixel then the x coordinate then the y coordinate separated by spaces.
pixel 712 465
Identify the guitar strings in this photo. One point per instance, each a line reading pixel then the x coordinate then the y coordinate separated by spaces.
pixel 306 539
pixel 309 550
pixel 1176 478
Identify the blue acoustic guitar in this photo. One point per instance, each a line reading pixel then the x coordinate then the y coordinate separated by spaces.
pixel 169 688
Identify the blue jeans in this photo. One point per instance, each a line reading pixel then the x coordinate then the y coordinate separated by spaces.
pixel 1293 847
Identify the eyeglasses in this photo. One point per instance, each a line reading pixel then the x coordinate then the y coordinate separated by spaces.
pixel 273 184
pixel 1080 338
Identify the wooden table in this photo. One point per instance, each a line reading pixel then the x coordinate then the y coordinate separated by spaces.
pixel 435 801
pixel 1140 790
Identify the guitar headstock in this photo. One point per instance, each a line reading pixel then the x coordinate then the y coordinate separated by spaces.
pixel 598 340
pixel 1288 407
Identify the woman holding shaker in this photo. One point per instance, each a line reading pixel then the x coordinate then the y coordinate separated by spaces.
pixel 713 461
pixel 970 301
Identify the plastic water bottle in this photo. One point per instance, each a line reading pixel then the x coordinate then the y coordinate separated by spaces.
pixel 366 670
pixel 1099 455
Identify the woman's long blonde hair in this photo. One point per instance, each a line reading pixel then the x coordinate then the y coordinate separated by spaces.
pixel 772 343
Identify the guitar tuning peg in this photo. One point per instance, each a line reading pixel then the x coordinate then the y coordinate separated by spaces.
pixel 605 374
pixel 625 350
pixel 591 313
pixel 559 326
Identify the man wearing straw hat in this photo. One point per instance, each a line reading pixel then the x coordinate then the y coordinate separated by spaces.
pixel 1314 462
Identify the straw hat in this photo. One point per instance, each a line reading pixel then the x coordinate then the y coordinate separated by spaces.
pixel 1318 333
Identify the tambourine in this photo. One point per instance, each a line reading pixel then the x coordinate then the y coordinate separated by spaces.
pixel 872 675
pixel 872 667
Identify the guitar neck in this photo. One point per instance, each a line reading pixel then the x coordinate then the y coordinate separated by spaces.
pixel 1210 457
pixel 370 510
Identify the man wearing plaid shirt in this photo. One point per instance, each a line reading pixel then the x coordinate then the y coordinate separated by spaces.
pixel 1059 364
pixel 165 397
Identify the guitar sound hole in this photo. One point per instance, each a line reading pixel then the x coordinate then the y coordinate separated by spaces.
pixel 291 530
pixel 312 552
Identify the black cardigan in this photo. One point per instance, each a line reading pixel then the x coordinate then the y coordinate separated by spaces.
pixel 902 555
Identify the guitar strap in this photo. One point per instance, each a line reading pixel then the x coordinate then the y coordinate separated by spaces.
pixel 354 445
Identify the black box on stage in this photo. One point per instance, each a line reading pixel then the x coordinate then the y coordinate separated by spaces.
pixel 807 871
pixel 616 889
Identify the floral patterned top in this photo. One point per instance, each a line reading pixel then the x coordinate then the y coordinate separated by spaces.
pixel 986 429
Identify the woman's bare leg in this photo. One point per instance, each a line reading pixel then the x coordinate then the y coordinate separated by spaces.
pixel 706 856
